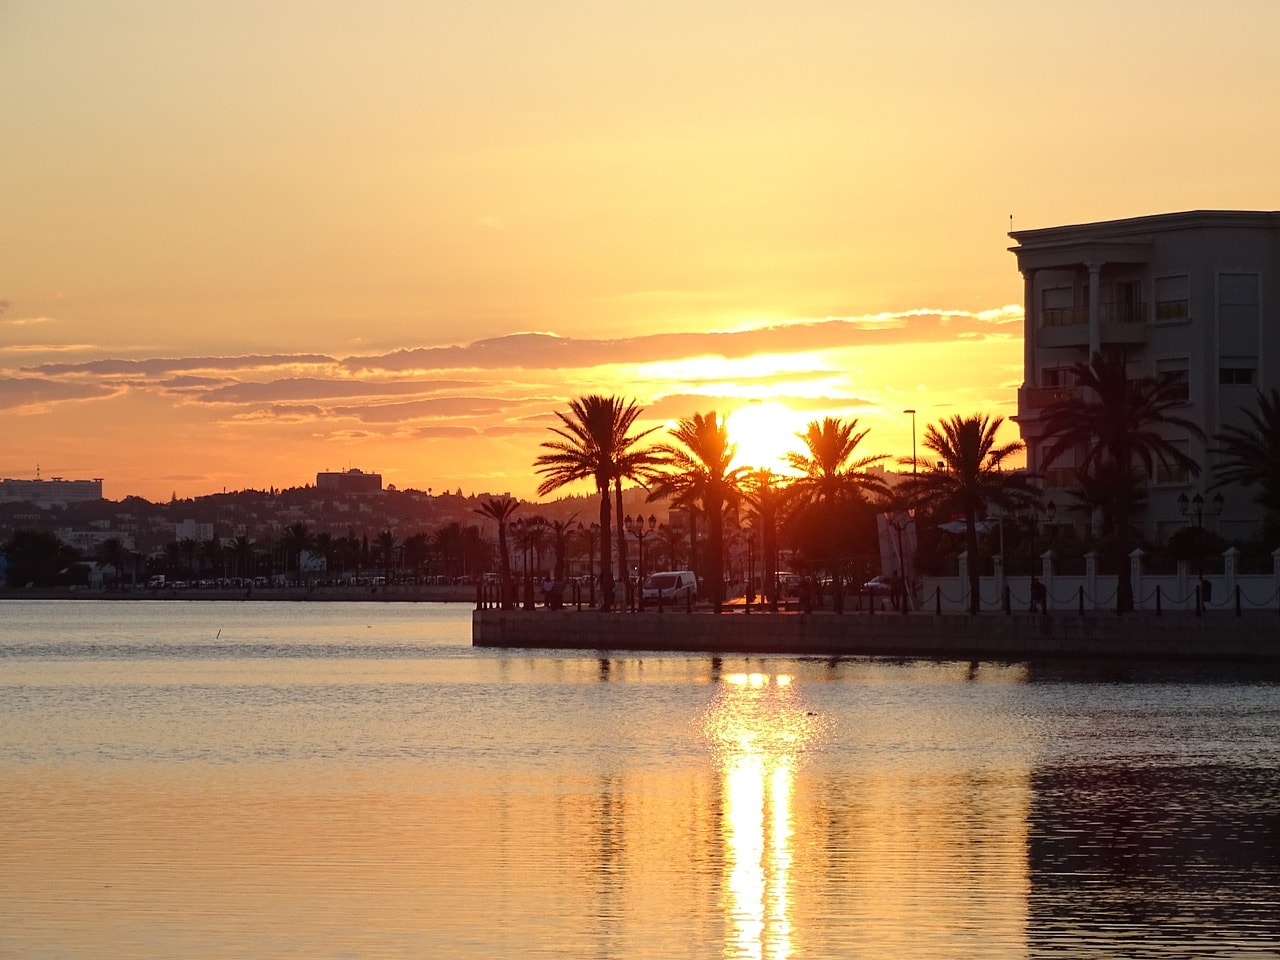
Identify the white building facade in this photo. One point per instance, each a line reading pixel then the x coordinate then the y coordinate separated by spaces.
pixel 1192 294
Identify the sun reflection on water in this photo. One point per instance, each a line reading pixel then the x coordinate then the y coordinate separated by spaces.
pixel 758 731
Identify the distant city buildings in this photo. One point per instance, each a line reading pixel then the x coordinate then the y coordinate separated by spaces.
pixel 52 492
pixel 352 481
pixel 191 530
pixel 1192 295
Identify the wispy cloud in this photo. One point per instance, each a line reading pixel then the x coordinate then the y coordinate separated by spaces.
pixel 19 393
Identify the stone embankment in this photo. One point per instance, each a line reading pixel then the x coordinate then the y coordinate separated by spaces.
pixel 412 593
pixel 951 636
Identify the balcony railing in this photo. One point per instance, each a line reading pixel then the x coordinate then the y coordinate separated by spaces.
pixel 1124 312
pixel 1107 313
pixel 1064 316
pixel 1036 398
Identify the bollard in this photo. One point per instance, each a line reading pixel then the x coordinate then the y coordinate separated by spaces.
pixel 1080 600
pixel 1237 597
pixel 1199 604
pixel 1004 601
pixel 1157 599
pixel 937 600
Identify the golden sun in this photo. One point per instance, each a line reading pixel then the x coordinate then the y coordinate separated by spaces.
pixel 765 431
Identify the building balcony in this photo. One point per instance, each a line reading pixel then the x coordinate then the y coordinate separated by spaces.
pixel 1069 327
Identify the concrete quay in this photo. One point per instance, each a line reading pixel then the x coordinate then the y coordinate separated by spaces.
pixel 1213 637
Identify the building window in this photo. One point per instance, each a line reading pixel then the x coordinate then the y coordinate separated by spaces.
pixel 1173 299
pixel 1058 308
pixel 1235 376
pixel 1175 369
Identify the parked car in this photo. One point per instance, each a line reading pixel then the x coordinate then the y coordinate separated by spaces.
pixel 878 586
pixel 673 586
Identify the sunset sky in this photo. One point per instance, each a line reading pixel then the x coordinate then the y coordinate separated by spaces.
pixel 245 241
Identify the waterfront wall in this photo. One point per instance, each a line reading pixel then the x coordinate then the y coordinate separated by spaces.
pixel 984 636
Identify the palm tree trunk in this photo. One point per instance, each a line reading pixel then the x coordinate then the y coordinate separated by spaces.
pixel 971 549
pixel 622 540
pixel 606 551
pixel 1124 583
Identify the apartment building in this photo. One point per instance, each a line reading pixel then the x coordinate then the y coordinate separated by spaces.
pixel 1191 294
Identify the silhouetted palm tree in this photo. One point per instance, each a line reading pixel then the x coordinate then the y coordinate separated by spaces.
pixel 296 539
pixel 832 477
pixel 699 471
pixel 594 436
pixel 113 553
pixel 971 477
pixel 387 544
pixel 1252 454
pixel 1126 422
pixel 500 509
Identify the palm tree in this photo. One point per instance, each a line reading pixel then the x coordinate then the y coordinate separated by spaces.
pixel 1252 454
pixel 1122 422
pixel 593 438
pixel 971 477
pixel 297 539
pixel 699 471
pixel 387 544
pixel 113 553
pixel 561 531
pixel 500 509
pixel 832 477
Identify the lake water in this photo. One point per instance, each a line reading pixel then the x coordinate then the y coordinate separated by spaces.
pixel 225 779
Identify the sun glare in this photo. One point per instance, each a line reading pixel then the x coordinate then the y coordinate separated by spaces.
pixel 765 432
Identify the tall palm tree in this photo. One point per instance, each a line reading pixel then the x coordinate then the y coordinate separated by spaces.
pixel 113 553
pixel 297 539
pixel 971 477
pixel 500 509
pixel 699 471
pixel 1252 454
pixel 593 436
pixel 1125 423
pixel 833 476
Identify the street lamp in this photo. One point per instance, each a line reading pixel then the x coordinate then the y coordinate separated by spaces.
pixel 1196 507
pixel 751 569
pixel 636 527
pixel 590 534
pixel 893 518
pixel 913 438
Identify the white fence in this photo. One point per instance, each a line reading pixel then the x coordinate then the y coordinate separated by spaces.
pixel 1097 592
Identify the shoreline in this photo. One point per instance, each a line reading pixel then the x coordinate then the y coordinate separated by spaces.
pixel 397 593
pixel 985 636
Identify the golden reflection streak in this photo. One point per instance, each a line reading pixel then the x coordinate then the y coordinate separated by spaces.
pixel 758 732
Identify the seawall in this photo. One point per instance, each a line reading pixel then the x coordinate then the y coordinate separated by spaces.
pixel 984 636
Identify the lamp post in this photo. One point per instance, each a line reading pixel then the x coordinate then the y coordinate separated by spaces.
pixel 913 438
pixel 893 518
pixel 591 535
pixel 1196 507
pixel 751 569
pixel 636 527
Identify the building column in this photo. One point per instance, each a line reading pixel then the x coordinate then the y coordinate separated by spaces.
pixel 1030 319
pixel 1095 309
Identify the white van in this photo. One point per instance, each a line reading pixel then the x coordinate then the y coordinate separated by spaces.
pixel 670 586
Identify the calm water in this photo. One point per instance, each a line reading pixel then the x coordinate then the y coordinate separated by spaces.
pixel 222 779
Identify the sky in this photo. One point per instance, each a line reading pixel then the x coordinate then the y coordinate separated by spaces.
pixel 244 242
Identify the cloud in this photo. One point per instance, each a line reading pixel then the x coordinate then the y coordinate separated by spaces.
pixel 546 351
pixel 317 388
pixel 164 366
pixel 17 393
pixel 428 408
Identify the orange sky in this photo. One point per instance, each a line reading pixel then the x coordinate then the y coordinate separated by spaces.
pixel 245 242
